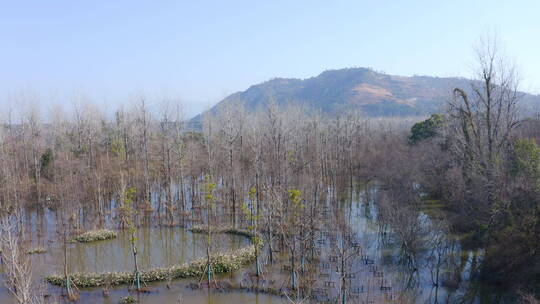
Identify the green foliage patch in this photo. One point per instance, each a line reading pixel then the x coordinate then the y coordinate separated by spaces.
pixel 426 129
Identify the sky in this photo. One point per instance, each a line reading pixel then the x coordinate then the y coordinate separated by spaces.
pixel 200 51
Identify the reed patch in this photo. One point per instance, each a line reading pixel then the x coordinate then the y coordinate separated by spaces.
pixel 36 250
pixel 221 263
pixel 95 235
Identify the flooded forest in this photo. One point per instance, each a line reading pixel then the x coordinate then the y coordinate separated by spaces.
pixel 276 205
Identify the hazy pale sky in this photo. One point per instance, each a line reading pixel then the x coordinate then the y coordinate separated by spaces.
pixel 200 51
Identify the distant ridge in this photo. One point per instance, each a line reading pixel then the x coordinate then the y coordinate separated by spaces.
pixel 373 93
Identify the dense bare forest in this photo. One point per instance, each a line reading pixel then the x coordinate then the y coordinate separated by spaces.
pixel 457 192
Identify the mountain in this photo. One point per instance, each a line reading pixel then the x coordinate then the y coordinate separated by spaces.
pixel 338 91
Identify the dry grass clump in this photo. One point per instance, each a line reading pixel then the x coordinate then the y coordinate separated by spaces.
pixel 95 235
pixel 221 263
pixel 229 230
pixel 36 250
pixel 128 300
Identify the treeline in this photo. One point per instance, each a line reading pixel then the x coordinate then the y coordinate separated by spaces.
pixel 82 160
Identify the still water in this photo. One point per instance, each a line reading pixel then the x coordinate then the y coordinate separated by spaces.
pixel 168 246
pixel 156 247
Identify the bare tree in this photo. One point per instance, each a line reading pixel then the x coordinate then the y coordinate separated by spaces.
pixel 231 121
pixel 18 266
pixel 485 117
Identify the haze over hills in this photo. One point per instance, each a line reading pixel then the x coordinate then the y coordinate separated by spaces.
pixel 373 93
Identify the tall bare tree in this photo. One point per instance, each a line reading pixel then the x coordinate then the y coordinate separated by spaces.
pixel 485 117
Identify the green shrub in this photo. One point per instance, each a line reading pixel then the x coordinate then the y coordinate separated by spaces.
pixel 426 129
